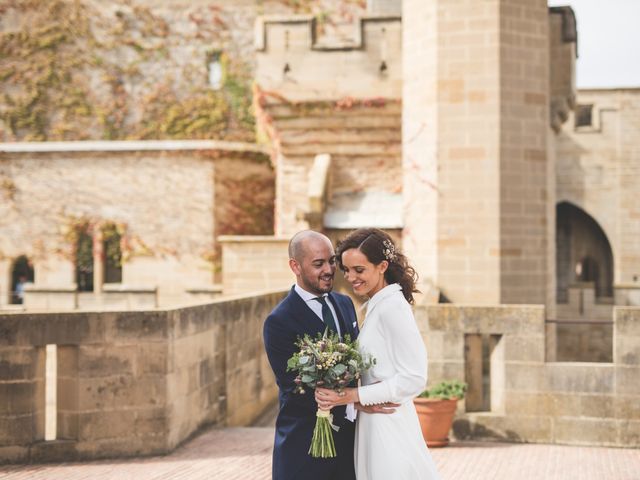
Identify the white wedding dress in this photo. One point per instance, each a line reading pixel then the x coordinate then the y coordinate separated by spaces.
pixel 391 446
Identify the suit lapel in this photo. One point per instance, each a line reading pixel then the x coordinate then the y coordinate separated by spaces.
pixel 346 325
pixel 311 323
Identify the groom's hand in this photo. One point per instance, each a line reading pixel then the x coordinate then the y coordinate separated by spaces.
pixel 381 408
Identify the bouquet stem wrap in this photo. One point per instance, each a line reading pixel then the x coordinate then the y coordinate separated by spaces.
pixel 322 445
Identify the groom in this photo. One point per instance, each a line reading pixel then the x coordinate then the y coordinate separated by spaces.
pixel 309 308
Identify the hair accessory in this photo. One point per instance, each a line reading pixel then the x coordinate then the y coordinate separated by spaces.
pixel 389 250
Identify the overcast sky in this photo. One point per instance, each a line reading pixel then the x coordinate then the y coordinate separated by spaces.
pixel 608 42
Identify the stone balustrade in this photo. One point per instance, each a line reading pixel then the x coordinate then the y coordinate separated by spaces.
pixel 132 383
pixel 516 395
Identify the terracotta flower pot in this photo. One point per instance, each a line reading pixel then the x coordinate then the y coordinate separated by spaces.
pixel 436 418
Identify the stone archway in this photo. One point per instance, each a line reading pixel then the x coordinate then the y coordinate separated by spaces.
pixel 21 273
pixel 583 252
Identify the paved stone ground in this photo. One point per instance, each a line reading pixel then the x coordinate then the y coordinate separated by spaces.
pixel 245 453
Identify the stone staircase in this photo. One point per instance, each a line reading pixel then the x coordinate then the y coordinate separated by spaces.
pixel 363 138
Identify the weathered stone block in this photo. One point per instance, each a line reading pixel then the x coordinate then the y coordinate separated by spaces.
pixel 150 422
pixel 520 320
pixel 564 404
pixel 54 451
pixel 597 406
pixel 629 433
pixel 585 431
pixel 626 349
pixel 518 403
pixel 526 377
pixel 627 407
pixel 17 398
pixel 627 321
pixel 105 424
pixel 580 378
pixel 59 329
pixel 16 430
pixel 626 380
pixel 152 358
pixel 102 361
pixel 18 363
pixel 67 361
pixel 146 326
pixel 13 454
pixel 445 318
pixel 448 370
pixel 452 346
pixel 67 425
pixel 524 348
pixel 121 391
pixel 113 447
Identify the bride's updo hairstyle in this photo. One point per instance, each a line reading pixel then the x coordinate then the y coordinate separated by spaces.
pixel 378 246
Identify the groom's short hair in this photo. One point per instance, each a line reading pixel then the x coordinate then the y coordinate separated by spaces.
pixel 296 244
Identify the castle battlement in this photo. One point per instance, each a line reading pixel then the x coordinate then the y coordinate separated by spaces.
pixel 295 61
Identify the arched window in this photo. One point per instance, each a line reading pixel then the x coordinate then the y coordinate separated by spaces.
pixel 84 260
pixel 21 274
pixel 111 238
pixel 583 252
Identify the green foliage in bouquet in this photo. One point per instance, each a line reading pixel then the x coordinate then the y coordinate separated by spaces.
pixel 446 390
pixel 328 362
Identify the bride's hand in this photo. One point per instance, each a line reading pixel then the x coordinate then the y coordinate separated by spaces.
pixel 328 399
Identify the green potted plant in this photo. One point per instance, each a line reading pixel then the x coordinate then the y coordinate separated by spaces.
pixel 436 407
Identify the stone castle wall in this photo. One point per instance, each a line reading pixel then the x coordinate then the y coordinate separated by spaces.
pixel 172 202
pixel 293 61
pixel 138 69
pixel 134 383
pixel 598 170
pixel 524 397
pixel 139 383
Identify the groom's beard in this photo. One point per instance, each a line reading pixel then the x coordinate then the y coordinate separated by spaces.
pixel 319 285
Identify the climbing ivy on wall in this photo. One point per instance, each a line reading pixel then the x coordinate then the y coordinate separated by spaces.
pixel 331 15
pixel 250 209
pixel 323 7
pixel 73 70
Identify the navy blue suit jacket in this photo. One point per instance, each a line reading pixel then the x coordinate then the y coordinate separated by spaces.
pixel 291 319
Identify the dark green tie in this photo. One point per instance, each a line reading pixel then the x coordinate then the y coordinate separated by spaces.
pixel 327 317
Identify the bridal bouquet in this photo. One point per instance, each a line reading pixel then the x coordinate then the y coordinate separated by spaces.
pixel 328 362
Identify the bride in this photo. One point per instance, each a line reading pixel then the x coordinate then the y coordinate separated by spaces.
pixel 386 446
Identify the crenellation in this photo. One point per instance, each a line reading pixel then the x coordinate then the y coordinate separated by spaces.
pixel 289 56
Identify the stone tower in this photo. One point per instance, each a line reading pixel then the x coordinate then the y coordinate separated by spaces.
pixel 478 172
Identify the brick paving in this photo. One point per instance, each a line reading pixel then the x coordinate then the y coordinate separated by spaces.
pixel 245 453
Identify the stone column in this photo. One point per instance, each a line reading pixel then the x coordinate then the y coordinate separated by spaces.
pixel 98 261
pixel 475 126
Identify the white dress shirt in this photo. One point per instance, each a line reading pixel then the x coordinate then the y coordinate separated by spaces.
pixel 316 306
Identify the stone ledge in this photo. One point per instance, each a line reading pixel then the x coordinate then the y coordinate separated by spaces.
pixel 35 288
pixel 215 288
pixel 129 146
pixel 252 239
pixel 121 288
